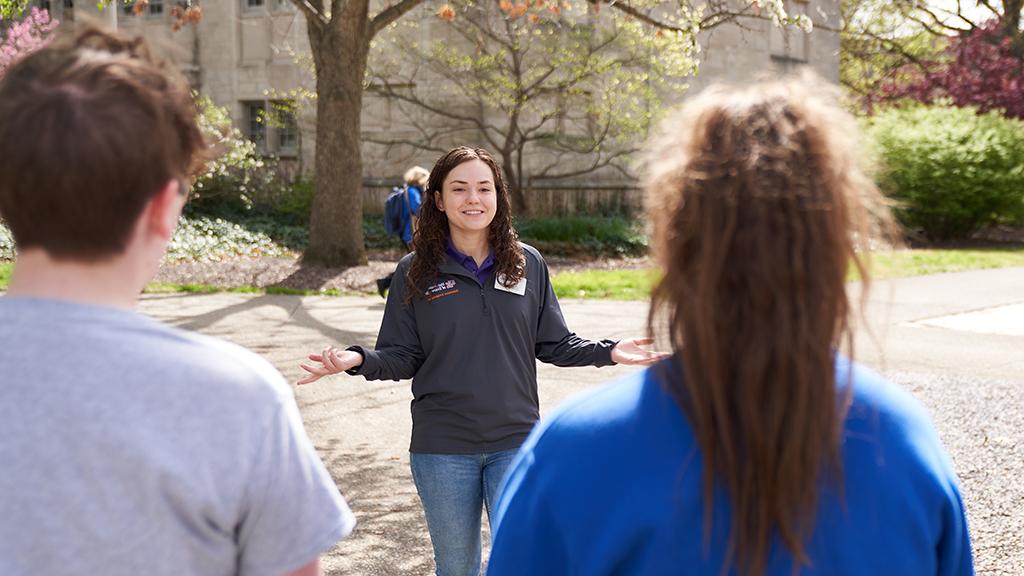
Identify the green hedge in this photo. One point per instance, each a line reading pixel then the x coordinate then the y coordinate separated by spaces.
pixel 584 236
pixel 951 171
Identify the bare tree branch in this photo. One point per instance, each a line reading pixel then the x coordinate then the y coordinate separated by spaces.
pixel 595 165
pixel 991 8
pixel 390 14
pixel 313 9
pixel 627 9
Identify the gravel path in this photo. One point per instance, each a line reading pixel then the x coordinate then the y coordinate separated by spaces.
pixel 982 424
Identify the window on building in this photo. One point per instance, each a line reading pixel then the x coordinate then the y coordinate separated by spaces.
pixel 156 7
pixel 789 46
pixel 286 127
pixel 255 123
pixel 272 126
pixel 283 5
pixel 253 5
pixel 69 10
pixel 44 5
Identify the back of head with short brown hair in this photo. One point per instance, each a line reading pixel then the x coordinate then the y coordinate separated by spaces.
pixel 91 128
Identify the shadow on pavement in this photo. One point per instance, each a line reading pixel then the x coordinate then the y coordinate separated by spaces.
pixel 292 305
pixel 391 535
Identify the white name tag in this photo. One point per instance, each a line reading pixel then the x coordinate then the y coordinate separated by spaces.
pixel 519 288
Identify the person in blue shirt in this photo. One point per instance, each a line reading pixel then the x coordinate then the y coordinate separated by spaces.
pixel 415 181
pixel 757 449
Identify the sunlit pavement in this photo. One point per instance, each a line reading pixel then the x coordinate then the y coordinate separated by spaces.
pixel 955 340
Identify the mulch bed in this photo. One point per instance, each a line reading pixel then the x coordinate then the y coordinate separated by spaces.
pixel 291 273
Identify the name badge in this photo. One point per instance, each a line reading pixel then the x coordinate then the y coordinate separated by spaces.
pixel 519 288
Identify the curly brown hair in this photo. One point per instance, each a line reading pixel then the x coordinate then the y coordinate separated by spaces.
pixel 431 238
pixel 758 205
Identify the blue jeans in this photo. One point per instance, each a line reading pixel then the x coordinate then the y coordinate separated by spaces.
pixel 453 488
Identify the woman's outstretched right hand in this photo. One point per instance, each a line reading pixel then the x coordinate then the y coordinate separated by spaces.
pixel 331 361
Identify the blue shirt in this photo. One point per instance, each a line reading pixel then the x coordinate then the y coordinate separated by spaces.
pixel 612 484
pixel 410 210
pixel 481 272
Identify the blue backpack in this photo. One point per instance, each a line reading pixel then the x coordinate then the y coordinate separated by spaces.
pixel 394 221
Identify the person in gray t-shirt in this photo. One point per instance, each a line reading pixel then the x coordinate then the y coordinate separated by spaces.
pixel 128 447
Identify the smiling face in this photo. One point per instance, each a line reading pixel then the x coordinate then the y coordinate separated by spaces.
pixel 468 197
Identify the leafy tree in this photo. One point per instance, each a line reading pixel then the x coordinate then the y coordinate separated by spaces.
pixel 979 69
pixel 879 45
pixel 12 9
pixel 340 34
pixel 583 88
pixel 925 50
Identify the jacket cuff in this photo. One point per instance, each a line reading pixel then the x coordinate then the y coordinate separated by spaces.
pixel 362 368
pixel 604 353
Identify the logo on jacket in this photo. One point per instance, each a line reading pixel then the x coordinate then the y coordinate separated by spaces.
pixel 441 289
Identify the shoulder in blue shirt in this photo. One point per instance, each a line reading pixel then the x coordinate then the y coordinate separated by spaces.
pixel 612 484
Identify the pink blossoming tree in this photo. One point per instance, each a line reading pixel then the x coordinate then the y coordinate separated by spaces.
pixel 982 69
pixel 25 37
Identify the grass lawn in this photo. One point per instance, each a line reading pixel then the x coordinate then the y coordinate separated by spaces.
pixel 636 284
pixel 904 263
pixel 605 284
pixel 166 287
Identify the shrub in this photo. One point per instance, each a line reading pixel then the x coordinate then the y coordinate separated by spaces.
pixel 212 239
pixel 240 183
pixel 592 236
pixel 237 174
pixel 950 170
pixel 296 202
pixel 6 243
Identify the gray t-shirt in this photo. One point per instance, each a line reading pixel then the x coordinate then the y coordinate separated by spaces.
pixel 129 447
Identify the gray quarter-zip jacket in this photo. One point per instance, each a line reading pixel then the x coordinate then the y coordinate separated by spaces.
pixel 471 351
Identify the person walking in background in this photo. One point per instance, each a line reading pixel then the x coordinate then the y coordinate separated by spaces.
pixel 129 447
pixel 758 448
pixel 471 311
pixel 402 208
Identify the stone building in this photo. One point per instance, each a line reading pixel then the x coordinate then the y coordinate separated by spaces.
pixel 252 56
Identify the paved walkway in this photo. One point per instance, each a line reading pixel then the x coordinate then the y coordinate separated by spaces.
pixel 955 340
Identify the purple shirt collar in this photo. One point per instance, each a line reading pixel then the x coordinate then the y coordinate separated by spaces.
pixel 481 272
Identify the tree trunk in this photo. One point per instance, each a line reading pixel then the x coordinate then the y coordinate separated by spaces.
pixel 336 223
pixel 1011 25
pixel 515 189
pixel 524 203
pixel 1011 18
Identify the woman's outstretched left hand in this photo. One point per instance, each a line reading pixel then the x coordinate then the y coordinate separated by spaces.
pixel 630 352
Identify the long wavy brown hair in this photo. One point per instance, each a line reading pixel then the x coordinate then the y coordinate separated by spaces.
pixel 759 208
pixel 431 238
